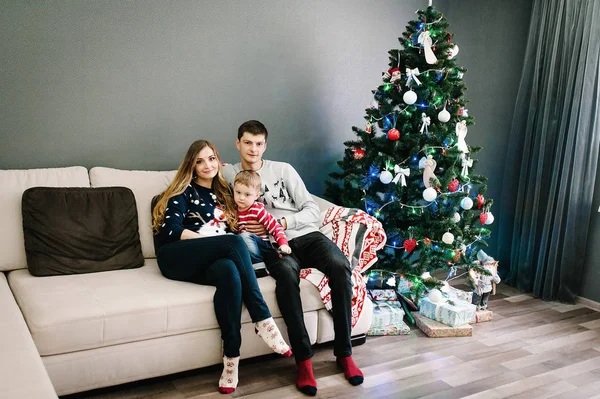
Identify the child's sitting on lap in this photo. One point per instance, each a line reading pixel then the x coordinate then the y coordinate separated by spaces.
pixel 246 190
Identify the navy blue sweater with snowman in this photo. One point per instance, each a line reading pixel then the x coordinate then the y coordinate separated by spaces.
pixel 188 210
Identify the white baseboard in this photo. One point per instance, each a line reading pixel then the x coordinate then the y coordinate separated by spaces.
pixel 588 303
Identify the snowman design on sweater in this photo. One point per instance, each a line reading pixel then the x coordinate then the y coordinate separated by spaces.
pixel 191 210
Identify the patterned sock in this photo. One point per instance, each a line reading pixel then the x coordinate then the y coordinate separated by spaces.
pixel 229 379
pixel 268 331
pixel 351 370
pixel 305 379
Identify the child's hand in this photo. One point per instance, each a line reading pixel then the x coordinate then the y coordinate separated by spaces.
pixel 285 249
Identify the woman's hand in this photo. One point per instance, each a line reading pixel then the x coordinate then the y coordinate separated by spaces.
pixel 189 234
pixel 255 227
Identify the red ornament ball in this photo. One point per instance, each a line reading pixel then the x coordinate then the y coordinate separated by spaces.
pixel 456 256
pixel 409 245
pixel 453 185
pixel 483 217
pixel 393 134
pixel 480 201
pixel 359 153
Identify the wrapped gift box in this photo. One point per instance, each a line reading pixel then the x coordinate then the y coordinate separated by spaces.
pixel 452 313
pixel 482 316
pixel 403 285
pixel 454 294
pixel 382 295
pixel 387 313
pixel 395 329
pixel 435 329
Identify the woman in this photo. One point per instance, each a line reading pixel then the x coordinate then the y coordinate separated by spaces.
pixel 222 261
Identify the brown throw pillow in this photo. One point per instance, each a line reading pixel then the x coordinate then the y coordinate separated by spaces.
pixel 80 230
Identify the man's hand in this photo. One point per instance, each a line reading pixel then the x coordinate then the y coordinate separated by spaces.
pixel 255 227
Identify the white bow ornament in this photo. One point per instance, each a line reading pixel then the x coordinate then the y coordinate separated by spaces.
pixel 411 74
pixel 401 174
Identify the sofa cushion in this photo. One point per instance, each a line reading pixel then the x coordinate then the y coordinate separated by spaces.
pixel 14 183
pixel 80 230
pixel 145 185
pixel 84 311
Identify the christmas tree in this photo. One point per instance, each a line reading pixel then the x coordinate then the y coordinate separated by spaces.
pixel 411 167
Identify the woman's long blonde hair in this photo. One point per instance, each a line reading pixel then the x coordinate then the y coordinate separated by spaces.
pixel 183 179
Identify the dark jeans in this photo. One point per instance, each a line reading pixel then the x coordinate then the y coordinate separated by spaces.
pixel 256 246
pixel 316 251
pixel 223 262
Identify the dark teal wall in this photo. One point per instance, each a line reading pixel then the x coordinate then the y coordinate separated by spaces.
pixel 591 273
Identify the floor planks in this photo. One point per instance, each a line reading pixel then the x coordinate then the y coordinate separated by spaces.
pixel 532 349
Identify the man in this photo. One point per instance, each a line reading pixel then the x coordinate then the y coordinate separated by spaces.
pixel 286 197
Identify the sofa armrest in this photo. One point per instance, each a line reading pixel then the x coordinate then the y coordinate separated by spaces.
pixel 22 373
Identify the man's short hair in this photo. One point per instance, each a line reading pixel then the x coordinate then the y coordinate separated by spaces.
pixel 253 127
pixel 248 178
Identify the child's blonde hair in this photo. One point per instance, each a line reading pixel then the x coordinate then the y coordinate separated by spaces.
pixel 249 178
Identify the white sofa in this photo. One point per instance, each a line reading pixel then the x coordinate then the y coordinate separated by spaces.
pixel 87 331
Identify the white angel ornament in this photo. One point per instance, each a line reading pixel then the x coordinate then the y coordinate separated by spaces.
pixel 461 133
pixel 425 39
pixel 428 172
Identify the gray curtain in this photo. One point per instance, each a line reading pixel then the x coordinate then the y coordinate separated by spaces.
pixel 551 167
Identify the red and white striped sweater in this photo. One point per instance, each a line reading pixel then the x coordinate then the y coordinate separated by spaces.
pixel 258 212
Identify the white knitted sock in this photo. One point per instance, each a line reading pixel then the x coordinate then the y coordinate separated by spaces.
pixel 229 379
pixel 268 331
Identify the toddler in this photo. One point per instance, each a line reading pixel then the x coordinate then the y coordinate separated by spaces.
pixel 246 190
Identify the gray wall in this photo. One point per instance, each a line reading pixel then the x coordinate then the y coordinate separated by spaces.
pixel 131 84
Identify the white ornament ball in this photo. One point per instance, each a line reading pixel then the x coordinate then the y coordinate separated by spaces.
pixel 410 97
pixel 429 194
pixel 444 116
pixel 386 177
pixel 466 203
pixel 490 218
pixel 456 217
pixel 435 296
pixel 448 238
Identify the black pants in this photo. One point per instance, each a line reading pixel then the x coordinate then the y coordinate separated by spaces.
pixel 316 251
pixel 223 262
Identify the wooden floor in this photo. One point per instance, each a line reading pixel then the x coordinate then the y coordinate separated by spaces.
pixel 532 349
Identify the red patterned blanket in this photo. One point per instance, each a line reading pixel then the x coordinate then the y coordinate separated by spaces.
pixel 359 236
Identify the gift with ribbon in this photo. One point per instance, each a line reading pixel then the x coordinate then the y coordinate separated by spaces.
pixel 482 316
pixel 387 314
pixel 435 329
pixel 452 313
pixel 455 294
pixel 379 295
